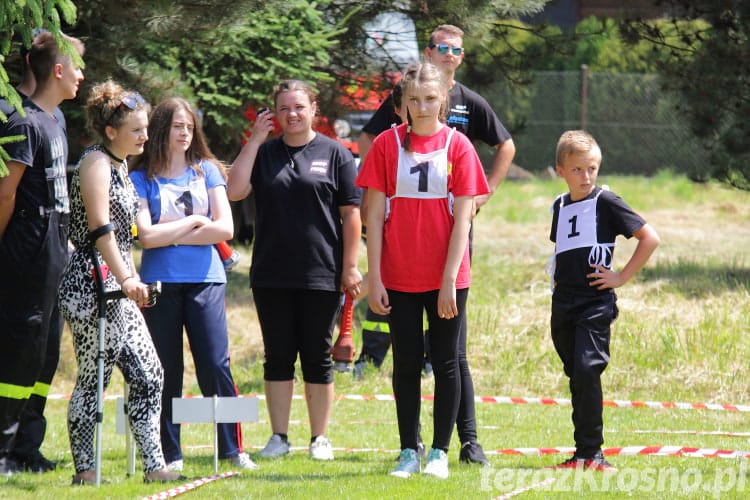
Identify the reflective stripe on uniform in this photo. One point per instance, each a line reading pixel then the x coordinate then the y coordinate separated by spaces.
pixel 376 326
pixel 40 389
pixel 11 391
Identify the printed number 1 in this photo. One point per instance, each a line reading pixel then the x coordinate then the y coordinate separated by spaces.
pixel 573 233
pixel 422 169
pixel 186 200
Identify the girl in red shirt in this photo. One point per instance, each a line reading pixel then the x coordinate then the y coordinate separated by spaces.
pixel 421 179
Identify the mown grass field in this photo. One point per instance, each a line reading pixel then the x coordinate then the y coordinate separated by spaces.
pixel 683 336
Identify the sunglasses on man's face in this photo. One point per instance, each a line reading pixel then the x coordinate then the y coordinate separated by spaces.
pixel 443 48
pixel 130 101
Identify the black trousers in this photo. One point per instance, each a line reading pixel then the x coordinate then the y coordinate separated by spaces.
pixel 33 424
pixel 581 332
pixel 33 253
pixel 199 309
pixel 407 310
pixel 376 340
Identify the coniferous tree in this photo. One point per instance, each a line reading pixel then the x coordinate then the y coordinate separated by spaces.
pixel 706 62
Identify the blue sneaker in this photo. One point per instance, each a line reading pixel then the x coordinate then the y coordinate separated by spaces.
pixel 437 464
pixel 408 464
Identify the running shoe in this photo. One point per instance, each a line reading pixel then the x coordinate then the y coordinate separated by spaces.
pixel 437 464
pixel 176 465
pixel 599 463
pixel 408 464
pixel 574 462
pixel 275 447
pixel 472 453
pixel 243 461
pixel 321 449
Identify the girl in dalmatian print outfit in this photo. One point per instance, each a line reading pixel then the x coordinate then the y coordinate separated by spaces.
pixel 104 203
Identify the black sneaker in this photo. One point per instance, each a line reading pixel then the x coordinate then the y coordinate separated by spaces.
pixel 358 371
pixel 472 453
pixel 37 463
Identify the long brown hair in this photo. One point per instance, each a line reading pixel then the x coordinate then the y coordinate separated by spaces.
pixel 155 158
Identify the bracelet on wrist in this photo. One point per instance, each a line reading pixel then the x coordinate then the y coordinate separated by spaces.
pixel 126 279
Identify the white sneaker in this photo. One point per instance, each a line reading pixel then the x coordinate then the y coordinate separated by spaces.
pixel 437 464
pixel 176 465
pixel 408 463
pixel 321 449
pixel 275 447
pixel 243 462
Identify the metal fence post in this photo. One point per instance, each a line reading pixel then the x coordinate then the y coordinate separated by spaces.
pixel 584 94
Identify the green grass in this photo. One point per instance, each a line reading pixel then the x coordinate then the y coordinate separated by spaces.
pixel 683 335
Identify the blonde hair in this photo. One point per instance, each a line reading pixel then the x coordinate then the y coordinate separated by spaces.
pixel 574 142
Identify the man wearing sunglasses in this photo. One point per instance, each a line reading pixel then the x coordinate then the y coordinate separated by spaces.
pixel 471 114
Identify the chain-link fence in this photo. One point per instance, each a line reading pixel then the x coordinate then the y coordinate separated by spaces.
pixel 634 120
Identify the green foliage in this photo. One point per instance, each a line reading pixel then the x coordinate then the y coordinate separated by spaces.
pixel 510 49
pixel 220 55
pixel 225 55
pixel 17 21
pixel 350 61
pixel 233 68
pixel 533 74
pixel 705 62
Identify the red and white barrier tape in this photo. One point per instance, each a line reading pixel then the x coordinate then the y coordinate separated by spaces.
pixel 696 433
pixel 540 484
pixel 173 492
pixel 663 451
pixel 511 400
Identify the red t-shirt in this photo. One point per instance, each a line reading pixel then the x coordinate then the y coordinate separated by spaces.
pixel 417 231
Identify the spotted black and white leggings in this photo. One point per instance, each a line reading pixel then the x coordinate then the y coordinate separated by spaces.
pixel 127 345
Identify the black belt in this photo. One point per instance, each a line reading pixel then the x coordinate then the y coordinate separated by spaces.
pixel 39 213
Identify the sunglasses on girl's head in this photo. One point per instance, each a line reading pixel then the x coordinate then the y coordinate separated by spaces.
pixel 130 101
pixel 443 48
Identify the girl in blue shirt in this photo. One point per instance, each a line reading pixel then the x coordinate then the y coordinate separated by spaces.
pixel 184 212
